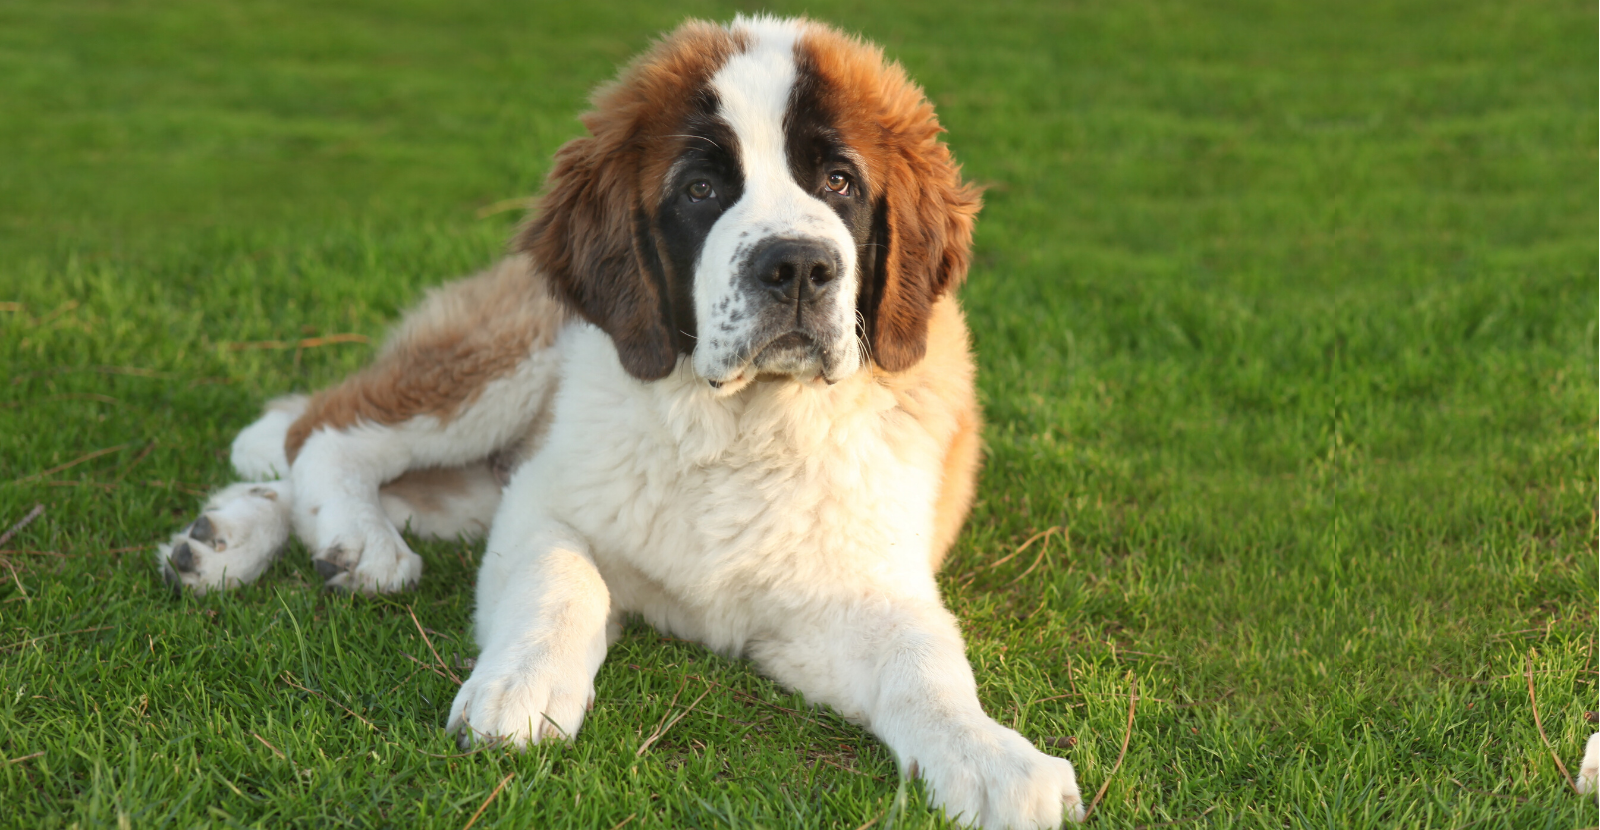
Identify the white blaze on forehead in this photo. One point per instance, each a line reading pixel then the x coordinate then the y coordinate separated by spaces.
pixel 753 92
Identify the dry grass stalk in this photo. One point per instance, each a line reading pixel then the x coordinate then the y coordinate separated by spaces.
pixel 1540 724
pixel 662 730
pixel 485 804
pixel 36 512
pixel 430 645
pixel 306 343
pixel 1133 698
pixel 70 464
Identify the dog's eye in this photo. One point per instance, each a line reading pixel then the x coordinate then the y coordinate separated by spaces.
pixel 839 183
pixel 699 190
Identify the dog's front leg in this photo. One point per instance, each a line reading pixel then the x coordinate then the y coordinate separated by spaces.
pixel 542 623
pixel 898 666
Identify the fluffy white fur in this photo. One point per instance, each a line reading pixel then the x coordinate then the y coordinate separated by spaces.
pixel 258 453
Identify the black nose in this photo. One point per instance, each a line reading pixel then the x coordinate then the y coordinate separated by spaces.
pixel 794 270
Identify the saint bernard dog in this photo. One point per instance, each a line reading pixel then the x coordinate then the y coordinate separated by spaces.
pixel 723 384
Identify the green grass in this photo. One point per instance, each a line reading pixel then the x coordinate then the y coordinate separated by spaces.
pixel 1286 311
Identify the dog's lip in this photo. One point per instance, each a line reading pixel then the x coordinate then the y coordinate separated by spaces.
pixel 749 370
pixel 787 340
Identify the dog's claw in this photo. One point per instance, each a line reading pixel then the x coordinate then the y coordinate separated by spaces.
pixel 326 569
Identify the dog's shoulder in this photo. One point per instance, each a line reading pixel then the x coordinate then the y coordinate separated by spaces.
pixel 938 391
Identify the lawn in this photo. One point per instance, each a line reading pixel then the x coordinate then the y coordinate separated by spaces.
pixel 1285 314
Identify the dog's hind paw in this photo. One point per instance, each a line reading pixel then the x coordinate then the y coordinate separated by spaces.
pixel 362 552
pixel 239 533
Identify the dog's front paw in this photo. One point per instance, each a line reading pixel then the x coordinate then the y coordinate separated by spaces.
pixel 538 700
pixel 238 535
pixel 361 551
pixel 994 778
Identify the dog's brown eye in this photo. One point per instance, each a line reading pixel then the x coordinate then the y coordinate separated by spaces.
pixel 839 183
pixel 699 190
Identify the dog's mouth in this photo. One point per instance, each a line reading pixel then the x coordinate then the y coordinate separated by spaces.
pixel 793 354
pixel 784 347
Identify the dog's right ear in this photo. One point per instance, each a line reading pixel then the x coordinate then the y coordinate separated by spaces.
pixel 591 236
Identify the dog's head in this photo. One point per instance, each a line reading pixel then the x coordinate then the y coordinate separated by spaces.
pixel 771 198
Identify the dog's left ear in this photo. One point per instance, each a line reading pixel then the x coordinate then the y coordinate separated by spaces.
pixel 921 241
pixel 592 234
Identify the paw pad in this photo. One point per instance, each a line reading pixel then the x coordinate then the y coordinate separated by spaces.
pixel 203 530
pixel 182 558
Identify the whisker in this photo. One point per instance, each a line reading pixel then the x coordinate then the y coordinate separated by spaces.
pixel 861 339
pixel 701 137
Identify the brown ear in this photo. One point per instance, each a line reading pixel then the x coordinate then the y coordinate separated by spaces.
pixel 591 236
pixel 921 240
pixel 592 233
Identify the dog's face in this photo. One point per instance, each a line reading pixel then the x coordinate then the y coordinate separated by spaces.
pixel 770 198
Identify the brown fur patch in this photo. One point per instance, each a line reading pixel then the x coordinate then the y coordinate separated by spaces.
pixel 591 230
pixel 962 461
pixel 924 212
pixel 461 337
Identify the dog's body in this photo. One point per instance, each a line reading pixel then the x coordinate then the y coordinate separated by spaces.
pixel 725 388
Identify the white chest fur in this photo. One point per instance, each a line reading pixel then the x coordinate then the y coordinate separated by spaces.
pixel 715 517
